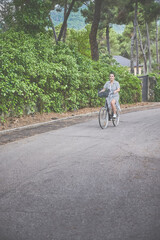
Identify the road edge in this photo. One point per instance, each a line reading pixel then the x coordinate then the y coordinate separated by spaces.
pixel 123 111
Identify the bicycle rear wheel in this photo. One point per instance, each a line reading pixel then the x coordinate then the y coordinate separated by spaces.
pixel 103 118
pixel 115 121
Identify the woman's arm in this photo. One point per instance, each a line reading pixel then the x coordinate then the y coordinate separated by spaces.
pixel 103 90
pixel 116 91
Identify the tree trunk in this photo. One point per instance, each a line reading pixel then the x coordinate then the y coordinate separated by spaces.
pixel 53 28
pixel 157 53
pixel 65 27
pixel 137 52
pixel 107 38
pixel 134 36
pixel 149 49
pixel 132 53
pixel 143 52
pixel 65 19
pixel 94 28
pixel 137 55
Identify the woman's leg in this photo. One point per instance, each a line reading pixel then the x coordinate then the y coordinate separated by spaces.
pixel 113 104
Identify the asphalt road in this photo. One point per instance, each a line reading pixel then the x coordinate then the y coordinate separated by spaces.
pixel 84 183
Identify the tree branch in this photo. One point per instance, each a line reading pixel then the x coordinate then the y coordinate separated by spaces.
pixel 53 28
pixel 65 20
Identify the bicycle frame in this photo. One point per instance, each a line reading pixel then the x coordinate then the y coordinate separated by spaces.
pixel 110 114
pixel 106 114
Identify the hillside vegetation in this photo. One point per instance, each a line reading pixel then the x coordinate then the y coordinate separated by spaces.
pixel 77 21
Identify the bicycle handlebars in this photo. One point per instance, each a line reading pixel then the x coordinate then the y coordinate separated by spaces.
pixel 105 94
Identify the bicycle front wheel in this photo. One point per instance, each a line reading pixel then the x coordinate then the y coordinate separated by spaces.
pixel 103 118
pixel 116 120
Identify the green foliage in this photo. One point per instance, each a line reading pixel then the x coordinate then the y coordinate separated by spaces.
pixel 157 92
pixel 80 40
pixel 37 75
pixel 130 85
pixel 125 41
pixel 15 88
pixel 157 87
pixel 75 20
pixel 29 16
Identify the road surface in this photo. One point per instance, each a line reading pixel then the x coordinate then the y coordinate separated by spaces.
pixel 84 183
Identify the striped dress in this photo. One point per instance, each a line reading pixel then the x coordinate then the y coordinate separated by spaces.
pixel 112 87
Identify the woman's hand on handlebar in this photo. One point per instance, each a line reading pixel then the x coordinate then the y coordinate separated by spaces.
pixel 103 90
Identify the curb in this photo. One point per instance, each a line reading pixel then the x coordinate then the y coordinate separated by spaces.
pixel 123 110
pixel 11 135
pixel 45 123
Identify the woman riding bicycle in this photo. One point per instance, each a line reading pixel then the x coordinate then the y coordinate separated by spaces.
pixel 113 97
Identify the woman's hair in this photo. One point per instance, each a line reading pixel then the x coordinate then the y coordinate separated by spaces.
pixel 112 73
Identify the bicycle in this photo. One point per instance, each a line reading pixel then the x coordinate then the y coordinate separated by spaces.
pixel 106 114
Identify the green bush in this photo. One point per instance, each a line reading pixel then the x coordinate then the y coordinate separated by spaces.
pixel 37 75
pixel 157 89
pixel 130 85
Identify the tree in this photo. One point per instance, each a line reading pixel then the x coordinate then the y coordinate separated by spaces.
pixel 143 51
pixel 67 6
pixel 33 16
pixel 152 13
pixel 94 28
pixel 108 16
pixel 65 20
pixel 124 41
pixel 123 17
pixel 53 28
pixel 6 13
pixel 80 40
pixel 30 16
pixel 157 52
pixel 135 37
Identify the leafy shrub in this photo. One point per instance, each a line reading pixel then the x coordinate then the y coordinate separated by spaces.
pixel 80 40
pixel 37 75
pixel 157 88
